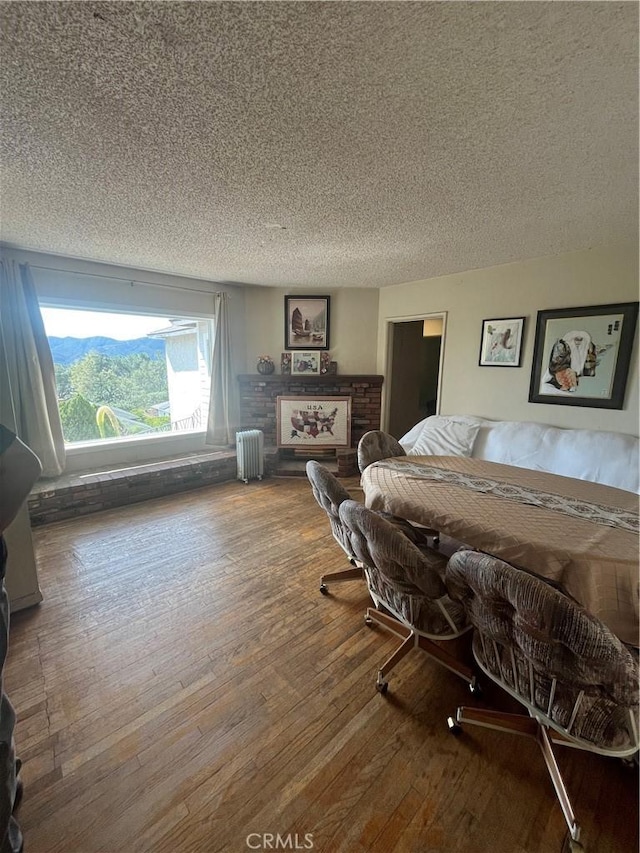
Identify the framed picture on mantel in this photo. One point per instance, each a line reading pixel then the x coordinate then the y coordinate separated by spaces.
pixel 305 363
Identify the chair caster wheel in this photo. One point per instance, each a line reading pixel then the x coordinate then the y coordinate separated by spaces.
pixel 436 541
pixel 323 589
pixel 382 687
pixel 572 846
pixel 475 689
pixel 454 727
pixel 368 621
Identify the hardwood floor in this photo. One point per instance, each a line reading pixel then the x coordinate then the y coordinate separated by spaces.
pixel 184 685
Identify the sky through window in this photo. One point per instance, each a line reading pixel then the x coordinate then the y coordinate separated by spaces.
pixel 71 323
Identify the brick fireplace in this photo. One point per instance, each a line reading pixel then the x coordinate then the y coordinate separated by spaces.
pixel 258 403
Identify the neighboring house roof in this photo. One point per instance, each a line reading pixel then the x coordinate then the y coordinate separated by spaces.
pixel 163 408
pixel 177 327
pixel 128 419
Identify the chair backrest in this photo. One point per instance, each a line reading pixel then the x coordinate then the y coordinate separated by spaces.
pixel 406 579
pixel 329 493
pixel 375 445
pixel 544 648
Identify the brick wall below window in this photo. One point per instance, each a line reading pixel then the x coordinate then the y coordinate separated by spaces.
pixel 72 495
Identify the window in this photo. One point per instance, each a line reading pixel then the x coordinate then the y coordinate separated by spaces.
pixel 123 375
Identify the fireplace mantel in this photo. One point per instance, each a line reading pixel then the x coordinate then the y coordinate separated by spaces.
pixel 322 379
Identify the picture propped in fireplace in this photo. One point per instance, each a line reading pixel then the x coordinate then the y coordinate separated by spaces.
pixel 313 422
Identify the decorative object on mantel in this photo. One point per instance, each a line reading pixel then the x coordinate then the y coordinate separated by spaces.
pixel 306 322
pixel 324 362
pixel 332 368
pixel 265 365
pixel 285 363
pixel 305 363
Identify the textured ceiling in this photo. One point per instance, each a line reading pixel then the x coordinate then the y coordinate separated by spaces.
pixel 312 144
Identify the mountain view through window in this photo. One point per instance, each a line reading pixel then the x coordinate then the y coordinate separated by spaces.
pixel 122 375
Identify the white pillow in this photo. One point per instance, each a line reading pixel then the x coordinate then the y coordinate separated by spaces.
pixel 446 436
pixel 410 438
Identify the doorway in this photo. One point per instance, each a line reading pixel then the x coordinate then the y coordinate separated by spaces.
pixel 414 349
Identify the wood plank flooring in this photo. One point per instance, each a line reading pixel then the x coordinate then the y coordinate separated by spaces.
pixel 184 685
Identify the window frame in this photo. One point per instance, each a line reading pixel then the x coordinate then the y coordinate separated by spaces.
pixel 85 455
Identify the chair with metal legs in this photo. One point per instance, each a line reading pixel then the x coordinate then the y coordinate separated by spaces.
pixel 330 493
pixel 577 681
pixel 407 588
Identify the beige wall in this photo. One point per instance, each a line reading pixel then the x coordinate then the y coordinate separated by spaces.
pixel 593 277
pixel 353 327
pixel 359 320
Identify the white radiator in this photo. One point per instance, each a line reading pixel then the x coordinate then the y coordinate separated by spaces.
pixel 250 453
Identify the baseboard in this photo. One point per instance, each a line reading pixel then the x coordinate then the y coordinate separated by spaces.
pixel 26 601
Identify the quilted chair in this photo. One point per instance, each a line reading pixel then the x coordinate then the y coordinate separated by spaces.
pixel 376 445
pixel 330 493
pixel 408 584
pixel 578 682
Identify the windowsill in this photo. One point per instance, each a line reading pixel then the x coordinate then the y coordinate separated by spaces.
pixel 127 471
pixel 132 450
pixel 79 447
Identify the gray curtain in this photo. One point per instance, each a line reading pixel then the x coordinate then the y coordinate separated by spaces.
pixel 31 390
pixel 222 421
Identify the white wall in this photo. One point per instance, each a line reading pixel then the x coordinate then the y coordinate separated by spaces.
pixel 353 327
pixel 597 276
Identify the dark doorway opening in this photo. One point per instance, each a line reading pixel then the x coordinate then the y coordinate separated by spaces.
pixel 414 372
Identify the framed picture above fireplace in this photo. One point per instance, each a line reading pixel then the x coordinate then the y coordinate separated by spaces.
pixel 306 322
pixel 314 422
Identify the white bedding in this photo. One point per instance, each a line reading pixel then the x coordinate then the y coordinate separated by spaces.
pixel 599 456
